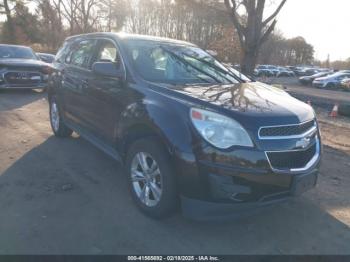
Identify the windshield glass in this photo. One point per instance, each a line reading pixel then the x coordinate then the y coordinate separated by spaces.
pixel 16 52
pixel 240 75
pixel 339 74
pixel 177 64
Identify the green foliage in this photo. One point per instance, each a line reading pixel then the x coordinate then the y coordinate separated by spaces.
pixel 23 27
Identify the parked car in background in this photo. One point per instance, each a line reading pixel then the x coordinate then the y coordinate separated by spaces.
pixel 263 73
pixel 296 70
pixel 309 71
pixel 20 67
pixel 284 72
pixel 307 80
pixel 345 84
pixel 273 70
pixel 324 70
pixel 330 81
pixel 186 128
pixel 47 58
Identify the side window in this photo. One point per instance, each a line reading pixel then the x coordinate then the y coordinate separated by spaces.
pixel 108 52
pixel 81 54
pixel 62 53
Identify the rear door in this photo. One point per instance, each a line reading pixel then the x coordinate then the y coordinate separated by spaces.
pixel 75 78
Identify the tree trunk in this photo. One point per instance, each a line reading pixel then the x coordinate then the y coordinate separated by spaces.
pixel 11 28
pixel 249 61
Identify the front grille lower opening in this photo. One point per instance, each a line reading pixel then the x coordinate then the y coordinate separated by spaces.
pixel 291 160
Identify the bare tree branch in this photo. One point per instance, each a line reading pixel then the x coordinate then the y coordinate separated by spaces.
pixel 271 17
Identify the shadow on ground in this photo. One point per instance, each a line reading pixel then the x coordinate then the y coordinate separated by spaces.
pixel 66 197
pixel 15 98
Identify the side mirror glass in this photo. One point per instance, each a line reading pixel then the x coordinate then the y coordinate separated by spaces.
pixel 108 69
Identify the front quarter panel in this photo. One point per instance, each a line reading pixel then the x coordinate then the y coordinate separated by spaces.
pixel 161 115
pixel 168 119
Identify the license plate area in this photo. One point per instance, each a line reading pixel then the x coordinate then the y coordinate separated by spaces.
pixel 304 183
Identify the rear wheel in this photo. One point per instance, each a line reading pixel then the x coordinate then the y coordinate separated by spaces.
pixel 151 178
pixel 57 124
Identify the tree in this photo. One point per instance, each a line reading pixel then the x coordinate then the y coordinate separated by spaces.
pixel 51 27
pixel 252 28
pixel 9 27
pixel 227 47
pixel 22 28
pixel 281 51
pixel 115 13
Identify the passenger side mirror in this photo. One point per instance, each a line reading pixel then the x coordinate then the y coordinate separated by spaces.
pixel 108 69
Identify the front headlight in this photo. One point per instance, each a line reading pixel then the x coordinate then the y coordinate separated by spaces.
pixel 218 130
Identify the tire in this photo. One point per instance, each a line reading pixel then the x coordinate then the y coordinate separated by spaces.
pixel 56 121
pixel 162 200
pixel 330 85
pixel 344 110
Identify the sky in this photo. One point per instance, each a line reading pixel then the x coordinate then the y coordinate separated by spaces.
pixel 323 23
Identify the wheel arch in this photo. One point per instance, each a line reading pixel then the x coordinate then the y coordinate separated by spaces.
pixel 154 120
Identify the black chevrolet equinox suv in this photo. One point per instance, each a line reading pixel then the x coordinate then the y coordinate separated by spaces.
pixel 190 132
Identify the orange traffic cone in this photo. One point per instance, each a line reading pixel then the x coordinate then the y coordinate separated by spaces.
pixel 334 112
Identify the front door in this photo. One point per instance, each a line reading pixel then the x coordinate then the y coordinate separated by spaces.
pixel 107 95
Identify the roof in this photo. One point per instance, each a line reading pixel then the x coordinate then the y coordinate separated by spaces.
pixel 125 36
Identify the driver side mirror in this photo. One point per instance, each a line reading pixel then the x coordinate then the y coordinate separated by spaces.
pixel 108 69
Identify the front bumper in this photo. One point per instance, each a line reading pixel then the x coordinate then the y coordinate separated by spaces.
pixel 202 210
pixel 13 79
pixel 318 84
pixel 233 184
pixel 42 85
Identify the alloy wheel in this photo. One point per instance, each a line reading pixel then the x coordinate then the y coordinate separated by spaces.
pixel 55 117
pixel 146 179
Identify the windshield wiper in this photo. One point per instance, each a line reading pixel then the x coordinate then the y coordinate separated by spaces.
pixel 189 64
pixel 217 68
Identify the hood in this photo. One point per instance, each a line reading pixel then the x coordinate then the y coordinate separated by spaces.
pixel 323 78
pixel 266 104
pixel 306 77
pixel 21 62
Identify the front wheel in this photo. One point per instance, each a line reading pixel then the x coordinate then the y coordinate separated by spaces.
pixel 330 85
pixel 151 178
pixel 57 124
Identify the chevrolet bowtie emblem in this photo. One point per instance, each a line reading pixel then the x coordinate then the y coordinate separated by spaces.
pixel 303 143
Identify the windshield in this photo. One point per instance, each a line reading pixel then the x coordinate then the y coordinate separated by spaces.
pixel 321 74
pixel 240 75
pixel 16 52
pixel 340 74
pixel 177 64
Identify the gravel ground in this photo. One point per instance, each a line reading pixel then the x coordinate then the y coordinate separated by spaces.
pixel 63 196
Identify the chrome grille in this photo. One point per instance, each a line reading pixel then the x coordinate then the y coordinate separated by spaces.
pixel 23 78
pixel 286 131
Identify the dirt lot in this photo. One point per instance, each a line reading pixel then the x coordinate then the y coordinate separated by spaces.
pixel 66 197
